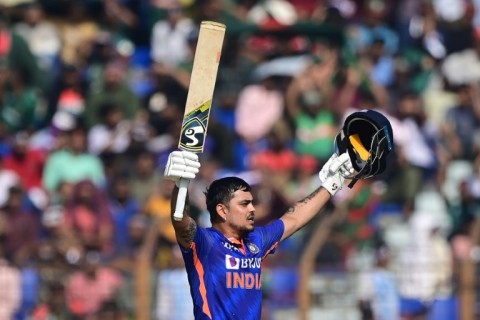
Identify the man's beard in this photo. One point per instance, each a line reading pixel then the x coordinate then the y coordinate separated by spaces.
pixel 244 228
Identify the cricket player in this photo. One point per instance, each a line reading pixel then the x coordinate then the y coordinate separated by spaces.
pixel 224 262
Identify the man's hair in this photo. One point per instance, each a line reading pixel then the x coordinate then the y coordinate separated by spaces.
pixel 221 191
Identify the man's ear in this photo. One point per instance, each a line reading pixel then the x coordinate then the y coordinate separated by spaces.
pixel 222 211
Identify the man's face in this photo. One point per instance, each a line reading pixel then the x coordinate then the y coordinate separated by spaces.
pixel 33 15
pixel 113 74
pixel 145 164
pixel 78 141
pixel 240 213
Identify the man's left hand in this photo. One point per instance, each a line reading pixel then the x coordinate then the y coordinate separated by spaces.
pixel 334 172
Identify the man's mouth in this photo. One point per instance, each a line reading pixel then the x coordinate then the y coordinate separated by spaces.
pixel 251 218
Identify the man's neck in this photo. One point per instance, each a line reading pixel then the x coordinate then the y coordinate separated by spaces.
pixel 228 232
pixel 234 236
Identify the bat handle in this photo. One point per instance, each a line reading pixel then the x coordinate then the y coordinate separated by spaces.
pixel 181 197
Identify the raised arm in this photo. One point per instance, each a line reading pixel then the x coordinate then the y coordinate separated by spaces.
pixel 182 165
pixel 332 179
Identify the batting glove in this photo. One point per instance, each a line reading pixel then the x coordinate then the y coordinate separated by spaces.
pixel 334 171
pixel 181 165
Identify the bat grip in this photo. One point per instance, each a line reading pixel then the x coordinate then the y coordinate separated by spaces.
pixel 181 197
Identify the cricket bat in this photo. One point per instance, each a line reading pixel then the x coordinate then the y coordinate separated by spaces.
pixel 199 97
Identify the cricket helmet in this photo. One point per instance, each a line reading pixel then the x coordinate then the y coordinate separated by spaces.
pixel 367 136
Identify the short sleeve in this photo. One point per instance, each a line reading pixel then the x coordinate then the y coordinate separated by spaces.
pixel 203 241
pixel 270 236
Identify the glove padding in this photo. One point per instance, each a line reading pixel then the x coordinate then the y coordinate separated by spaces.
pixel 181 165
pixel 334 172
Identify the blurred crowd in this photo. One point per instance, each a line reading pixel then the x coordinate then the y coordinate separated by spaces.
pixel 92 94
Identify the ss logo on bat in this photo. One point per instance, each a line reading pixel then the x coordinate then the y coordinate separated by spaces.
pixel 191 134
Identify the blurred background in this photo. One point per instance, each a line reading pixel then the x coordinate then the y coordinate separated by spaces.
pixel 92 94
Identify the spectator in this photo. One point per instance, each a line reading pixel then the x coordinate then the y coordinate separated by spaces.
pixel 23 106
pixel 28 164
pixel 59 163
pixel 308 107
pixel 266 94
pixel 452 20
pixel 67 93
pixel 170 86
pixel 136 230
pixel 461 124
pixel 54 233
pixel 145 177
pixel 54 304
pixel 55 136
pixel 277 156
pixel 16 55
pixel 111 138
pixel 381 63
pixel 51 264
pixel 91 286
pixel 78 32
pixel 471 57
pixel 372 26
pixel 112 88
pixel 103 51
pixel 417 153
pixel 88 218
pixel 429 259
pixel 163 111
pixel 10 282
pixel 158 206
pixel 21 229
pixel 123 207
pixel 275 166
pixel 169 42
pixel 239 62
pixel 138 260
pixel 41 35
pixel 408 15
pixel 378 290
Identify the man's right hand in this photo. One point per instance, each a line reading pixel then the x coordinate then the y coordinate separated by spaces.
pixel 181 165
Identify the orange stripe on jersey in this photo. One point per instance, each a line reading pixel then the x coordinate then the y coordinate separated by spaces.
pixel 270 250
pixel 203 290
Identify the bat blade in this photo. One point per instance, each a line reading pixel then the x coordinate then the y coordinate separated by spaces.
pixel 199 98
pixel 202 85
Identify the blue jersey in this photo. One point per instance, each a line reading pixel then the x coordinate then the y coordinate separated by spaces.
pixel 224 276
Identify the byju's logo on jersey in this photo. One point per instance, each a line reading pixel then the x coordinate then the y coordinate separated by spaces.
pixel 232 263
